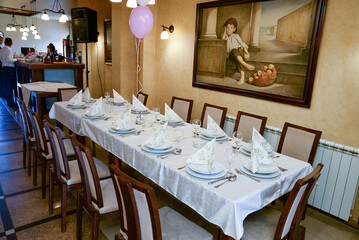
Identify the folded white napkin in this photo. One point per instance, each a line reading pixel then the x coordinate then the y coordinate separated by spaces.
pixel 137 105
pixel 77 99
pixel 158 139
pixel 86 96
pixel 95 109
pixel 204 156
pixel 170 115
pixel 259 155
pixel 213 128
pixel 122 122
pixel 117 98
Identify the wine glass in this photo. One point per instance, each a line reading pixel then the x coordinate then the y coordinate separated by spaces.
pixel 196 123
pixel 107 96
pixel 230 159
pixel 128 104
pixel 237 137
pixel 156 112
pixel 179 133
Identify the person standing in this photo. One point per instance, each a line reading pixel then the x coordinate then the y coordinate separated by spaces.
pixel 8 72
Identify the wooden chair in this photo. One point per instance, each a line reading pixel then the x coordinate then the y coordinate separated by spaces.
pixel 183 107
pixel 29 143
pixel 44 153
pixel 260 225
pixel 142 97
pixel 98 196
pixel 65 94
pixel 299 142
pixel 65 173
pixel 216 112
pixel 138 203
pixel 245 122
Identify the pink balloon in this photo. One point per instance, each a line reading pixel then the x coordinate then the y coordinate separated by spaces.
pixel 141 21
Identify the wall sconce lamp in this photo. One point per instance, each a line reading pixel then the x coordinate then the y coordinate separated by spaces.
pixel 164 34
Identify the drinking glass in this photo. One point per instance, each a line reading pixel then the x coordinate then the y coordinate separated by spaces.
pixel 237 137
pixel 128 104
pixel 179 133
pixel 196 123
pixel 156 112
pixel 107 96
pixel 230 159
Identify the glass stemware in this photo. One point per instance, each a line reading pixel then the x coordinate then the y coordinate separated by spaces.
pixel 196 123
pixel 179 133
pixel 237 137
pixel 107 96
pixel 230 159
pixel 156 112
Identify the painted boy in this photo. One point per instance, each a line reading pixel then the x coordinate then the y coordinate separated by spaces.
pixel 236 48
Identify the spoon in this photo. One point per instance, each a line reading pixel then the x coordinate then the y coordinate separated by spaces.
pixel 220 179
pixel 240 172
pixel 177 151
pixel 137 132
pixel 231 178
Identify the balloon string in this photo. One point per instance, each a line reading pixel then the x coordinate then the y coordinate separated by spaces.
pixel 138 68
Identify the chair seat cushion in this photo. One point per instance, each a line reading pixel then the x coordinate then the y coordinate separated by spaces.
pixel 75 176
pixel 68 148
pixel 175 226
pixel 261 224
pixel 108 196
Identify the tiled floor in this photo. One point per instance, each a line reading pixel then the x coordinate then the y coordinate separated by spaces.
pixel 24 215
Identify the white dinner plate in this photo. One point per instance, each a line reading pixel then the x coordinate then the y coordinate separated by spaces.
pixel 76 105
pixel 262 169
pixel 258 175
pixel 248 147
pixel 169 150
pixel 122 132
pixel 218 139
pixel 175 123
pixel 128 128
pixel 140 111
pixel 118 103
pixel 168 144
pixel 204 169
pixel 210 135
pixel 94 116
pixel 205 176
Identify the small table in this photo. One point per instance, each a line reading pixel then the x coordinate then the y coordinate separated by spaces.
pixel 39 91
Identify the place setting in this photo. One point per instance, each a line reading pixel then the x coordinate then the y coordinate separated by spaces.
pixel 122 125
pixel 86 97
pixel 118 100
pixel 76 102
pixel 95 111
pixel 138 107
pixel 213 131
pixel 172 118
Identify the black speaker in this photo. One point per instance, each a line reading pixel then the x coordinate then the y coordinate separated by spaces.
pixel 84 25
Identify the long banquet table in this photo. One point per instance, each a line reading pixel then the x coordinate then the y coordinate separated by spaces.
pixel 226 207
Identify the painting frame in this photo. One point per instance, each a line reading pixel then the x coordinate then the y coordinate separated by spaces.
pixel 316 25
pixel 108 41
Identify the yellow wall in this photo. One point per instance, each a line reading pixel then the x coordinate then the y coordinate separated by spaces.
pixel 335 102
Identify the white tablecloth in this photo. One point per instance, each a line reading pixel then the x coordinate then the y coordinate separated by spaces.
pixel 227 206
pixel 27 88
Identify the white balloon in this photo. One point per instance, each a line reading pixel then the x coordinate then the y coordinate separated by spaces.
pixel 143 2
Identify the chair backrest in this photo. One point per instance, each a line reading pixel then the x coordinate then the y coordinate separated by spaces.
pixel 89 176
pixel 25 120
pixel 216 112
pixel 59 154
pixel 142 97
pixel 38 131
pixel 299 142
pixel 245 122
pixel 289 221
pixel 183 107
pixel 65 94
pixel 143 219
pixel 19 90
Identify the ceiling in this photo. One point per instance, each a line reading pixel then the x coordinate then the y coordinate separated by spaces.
pixel 41 4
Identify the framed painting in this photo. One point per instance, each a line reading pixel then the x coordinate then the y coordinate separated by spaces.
pixel 108 41
pixel 264 49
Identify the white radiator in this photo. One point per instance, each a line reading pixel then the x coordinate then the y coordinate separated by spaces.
pixel 337 187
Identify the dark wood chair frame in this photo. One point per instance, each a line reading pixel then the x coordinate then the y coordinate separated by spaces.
pixel 85 198
pixel 241 113
pixel 29 147
pixel 297 231
pixel 317 133
pixel 146 97
pixel 224 112
pixel 190 101
pixel 133 222
pixel 56 174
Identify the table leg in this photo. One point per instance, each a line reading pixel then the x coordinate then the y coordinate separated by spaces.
pixel 222 236
pixel 112 159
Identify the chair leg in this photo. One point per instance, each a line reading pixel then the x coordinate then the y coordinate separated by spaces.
pixel 28 157
pixel 93 148
pixel 34 166
pixel 51 193
pixel 95 226
pixel 79 217
pixel 63 206
pixel 24 151
pixel 43 177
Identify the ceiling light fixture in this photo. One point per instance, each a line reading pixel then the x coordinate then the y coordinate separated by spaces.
pixel 32 28
pixel 37 37
pixel 23 38
pixel 25 34
pixel 151 2
pixel 63 18
pixel 131 3
pixel 164 34
pixel 8 28
pixel 56 8
pixel 45 16
pixel 34 32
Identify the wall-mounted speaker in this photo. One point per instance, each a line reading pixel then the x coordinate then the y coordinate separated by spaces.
pixel 84 25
